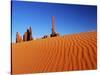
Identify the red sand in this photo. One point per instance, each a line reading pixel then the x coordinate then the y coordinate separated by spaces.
pixel 64 53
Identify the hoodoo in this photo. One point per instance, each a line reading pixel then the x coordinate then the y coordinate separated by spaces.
pixel 18 38
pixel 28 35
pixel 53 34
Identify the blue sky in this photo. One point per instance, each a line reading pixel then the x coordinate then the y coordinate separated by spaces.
pixel 69 18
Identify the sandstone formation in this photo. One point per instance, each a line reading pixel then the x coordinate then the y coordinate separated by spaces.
pixel 53 34
pixel 28 34
pixel 45 36
pixel 18 38
pixel 26 37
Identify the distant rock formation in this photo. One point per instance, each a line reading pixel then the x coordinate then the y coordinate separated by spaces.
pixel 28 35
pixel 25 36
pixel 45 36
pixel 30 31
pixel 18 38
pixel 53 34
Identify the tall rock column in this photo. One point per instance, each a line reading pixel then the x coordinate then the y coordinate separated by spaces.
pixel 28 35
pixel 25 36
pixel 53 27
pixel 18 38
pixel 30 30
pixel 53 34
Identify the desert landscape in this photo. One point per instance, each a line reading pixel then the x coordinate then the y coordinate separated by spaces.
pixel 69 52
pixel 53 37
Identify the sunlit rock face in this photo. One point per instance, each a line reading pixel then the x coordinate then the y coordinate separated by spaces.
pixel 18 38
pixel 28 35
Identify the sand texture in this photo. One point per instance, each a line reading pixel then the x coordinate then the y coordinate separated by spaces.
pixel 64 53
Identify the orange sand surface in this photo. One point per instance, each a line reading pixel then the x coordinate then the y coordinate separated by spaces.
pixel 63 53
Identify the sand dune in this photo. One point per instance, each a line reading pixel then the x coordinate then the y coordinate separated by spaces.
pixel 64 53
